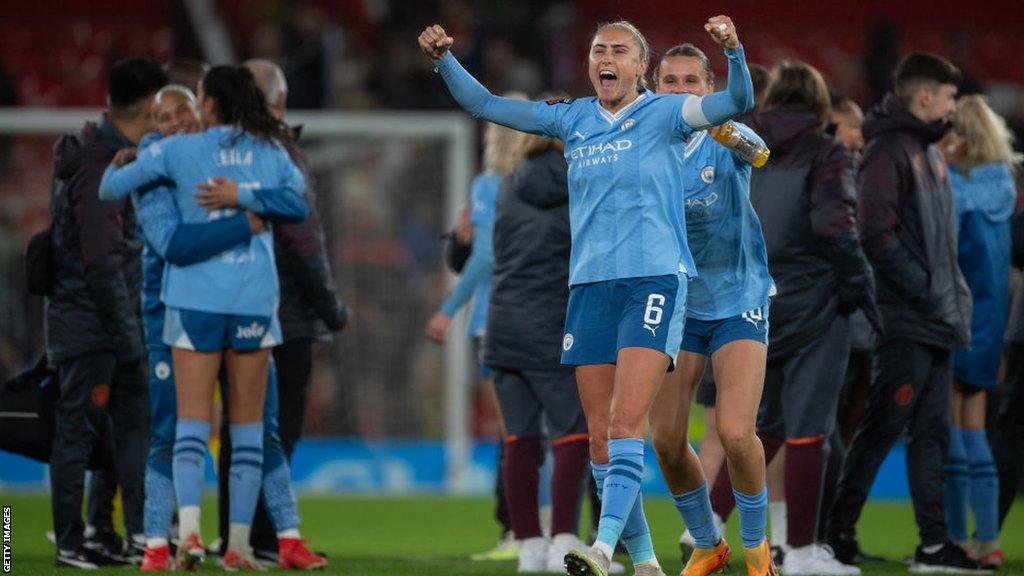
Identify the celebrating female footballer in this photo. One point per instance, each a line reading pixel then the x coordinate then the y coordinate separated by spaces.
pixel 727 309
pixel 630 262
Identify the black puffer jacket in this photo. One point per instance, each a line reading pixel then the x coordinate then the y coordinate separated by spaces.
pixel 94 302
pixel 308 295
pixel 806 201
pixel 908 228
pixel 530 285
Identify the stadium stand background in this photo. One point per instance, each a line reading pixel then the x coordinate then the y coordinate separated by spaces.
pixel 361 54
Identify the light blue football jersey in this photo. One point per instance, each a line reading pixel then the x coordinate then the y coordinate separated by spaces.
pixel 625 169
pixel 724 232
pixel 243 280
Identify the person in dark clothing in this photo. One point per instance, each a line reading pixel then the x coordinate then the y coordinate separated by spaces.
pixel 526 318
pixel 806 201
pixel 309 310
pixel 1008 443
pixel 907 227
pixel 93 324
pixel 846 122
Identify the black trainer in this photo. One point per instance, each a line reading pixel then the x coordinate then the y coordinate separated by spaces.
pixel 65 559
pixel 133 551
pixel 846 548
pixel 268 556
pixel 948 559
pixel 99 554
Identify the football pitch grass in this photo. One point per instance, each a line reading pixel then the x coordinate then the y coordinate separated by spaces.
pixel 427 536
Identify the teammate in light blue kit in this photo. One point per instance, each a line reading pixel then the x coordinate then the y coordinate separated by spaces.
pixel 727 309
pixel 166 238
pixel 474 282
pixel 630 261
pixel 223 306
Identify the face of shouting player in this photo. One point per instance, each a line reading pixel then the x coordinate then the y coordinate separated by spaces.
pixel 683 75
pixel 615 65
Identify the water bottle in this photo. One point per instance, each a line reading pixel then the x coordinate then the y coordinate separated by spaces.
pixel 754 152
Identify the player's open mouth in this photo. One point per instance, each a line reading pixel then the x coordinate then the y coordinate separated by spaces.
pixel 608 79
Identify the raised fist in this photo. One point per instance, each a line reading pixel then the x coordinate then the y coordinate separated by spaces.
pixel 435 42
pixel 723 31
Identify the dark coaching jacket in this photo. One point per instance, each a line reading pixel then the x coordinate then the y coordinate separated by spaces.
pixel 530 284
pixel 93 304
pixel 807 203
pixel 308 293
pixel 908 228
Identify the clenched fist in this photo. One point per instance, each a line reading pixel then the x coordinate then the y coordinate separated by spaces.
pixel 723 31
pixel 435 42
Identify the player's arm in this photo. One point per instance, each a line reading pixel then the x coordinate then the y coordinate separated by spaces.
pixel 275 204
pixel 184 244
pixel 148 167
pixel 473 97
pixel 700 112
pixel 282 204
pixel 477 269
pixel 194 243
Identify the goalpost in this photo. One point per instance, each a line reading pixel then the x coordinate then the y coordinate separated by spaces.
pixel 389 184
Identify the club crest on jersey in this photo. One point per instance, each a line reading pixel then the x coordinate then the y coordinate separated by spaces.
pixel 162 370
pixel 627 124
pixel 707 174
pixel 567 342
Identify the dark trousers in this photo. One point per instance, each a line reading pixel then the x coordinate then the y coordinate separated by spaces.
pixel 100 506
pixel 102 406
pixel 798 405
pixel 294 360
pixel 1009 438
pixel 909 393
pixel 852 404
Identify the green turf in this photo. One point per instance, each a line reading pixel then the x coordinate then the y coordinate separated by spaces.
pixel 428 536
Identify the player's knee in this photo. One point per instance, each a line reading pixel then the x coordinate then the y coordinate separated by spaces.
pixel 735 436
pixel 620 429
pixel 626 425
pixel 668 445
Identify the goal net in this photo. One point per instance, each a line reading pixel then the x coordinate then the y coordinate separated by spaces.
pixel 388 186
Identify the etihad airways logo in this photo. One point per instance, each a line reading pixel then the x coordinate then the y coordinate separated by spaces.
pixel 594 154
pixel 599 149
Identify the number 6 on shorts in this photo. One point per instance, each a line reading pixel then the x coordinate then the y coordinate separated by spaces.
pixel 652 314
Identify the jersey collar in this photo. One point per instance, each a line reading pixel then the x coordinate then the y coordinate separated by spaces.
pixel 613 118
pixel 694 143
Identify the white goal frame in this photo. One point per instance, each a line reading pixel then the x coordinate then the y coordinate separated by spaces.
pixel 459 134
